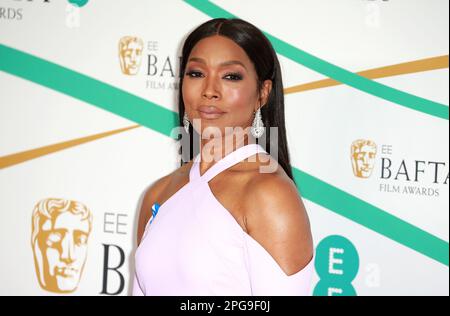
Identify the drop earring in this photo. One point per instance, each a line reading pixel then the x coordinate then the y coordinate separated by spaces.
pixel 186 123
pixel 257 128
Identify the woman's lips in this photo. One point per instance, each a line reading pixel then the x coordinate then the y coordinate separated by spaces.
pixel 210 116
pixel 209 112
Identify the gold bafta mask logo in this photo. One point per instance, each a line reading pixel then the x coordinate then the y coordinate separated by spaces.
pixel 59 239
pixel 130 54
pixel 363 153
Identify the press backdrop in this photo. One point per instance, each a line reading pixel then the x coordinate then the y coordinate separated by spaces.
pixel 88 98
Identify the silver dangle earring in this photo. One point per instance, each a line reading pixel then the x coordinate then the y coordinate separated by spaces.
pixel 257 128
pixel 186 123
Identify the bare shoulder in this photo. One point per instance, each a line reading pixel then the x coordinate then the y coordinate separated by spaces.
pixel 275 216
pixel 153 194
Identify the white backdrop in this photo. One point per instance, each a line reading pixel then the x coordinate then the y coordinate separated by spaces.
pixel 62 90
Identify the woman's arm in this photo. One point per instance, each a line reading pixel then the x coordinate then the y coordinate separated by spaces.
pixel 280 244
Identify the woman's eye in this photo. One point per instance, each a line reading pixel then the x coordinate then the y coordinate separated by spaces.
pixel 234 76
pixel 193 74
pixel 230 76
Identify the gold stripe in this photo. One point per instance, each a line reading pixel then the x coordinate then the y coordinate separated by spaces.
pixel 14 159
pixel 426 64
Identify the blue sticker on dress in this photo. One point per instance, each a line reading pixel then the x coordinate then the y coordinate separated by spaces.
pixel 155 208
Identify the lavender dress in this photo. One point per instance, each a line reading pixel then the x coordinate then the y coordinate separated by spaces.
pixel 194 246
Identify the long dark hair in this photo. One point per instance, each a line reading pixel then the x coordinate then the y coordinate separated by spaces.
pixel 265 61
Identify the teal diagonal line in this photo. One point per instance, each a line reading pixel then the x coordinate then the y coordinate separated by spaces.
pixel 337 73
pixel 158 118
pixel 86 89
pixel 371 217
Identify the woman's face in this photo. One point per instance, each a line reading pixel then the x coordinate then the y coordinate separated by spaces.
pixel 220 77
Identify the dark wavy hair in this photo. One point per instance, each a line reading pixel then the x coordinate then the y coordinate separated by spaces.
pixel 265 61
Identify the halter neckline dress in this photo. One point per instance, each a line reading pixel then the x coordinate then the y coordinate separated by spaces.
pixel 194 246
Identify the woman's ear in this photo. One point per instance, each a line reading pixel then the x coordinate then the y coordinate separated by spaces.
pixel 265 92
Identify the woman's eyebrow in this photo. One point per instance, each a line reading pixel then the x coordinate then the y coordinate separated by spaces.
pixel 225 63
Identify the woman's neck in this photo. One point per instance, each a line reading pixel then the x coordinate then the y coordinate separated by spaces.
pixel 213 150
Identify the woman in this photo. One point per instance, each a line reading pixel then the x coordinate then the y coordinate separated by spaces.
pixel 224 227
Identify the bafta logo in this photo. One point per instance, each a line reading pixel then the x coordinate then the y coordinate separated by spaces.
pixel 60 233
pixel 363 154
pixel 130 54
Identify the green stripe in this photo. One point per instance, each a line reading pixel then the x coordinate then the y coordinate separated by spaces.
pixel 371 217
pixel 91 91
pixel 162 120
pixel 337 73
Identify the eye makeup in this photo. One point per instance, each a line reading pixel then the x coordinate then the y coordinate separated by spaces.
pixel 236 76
